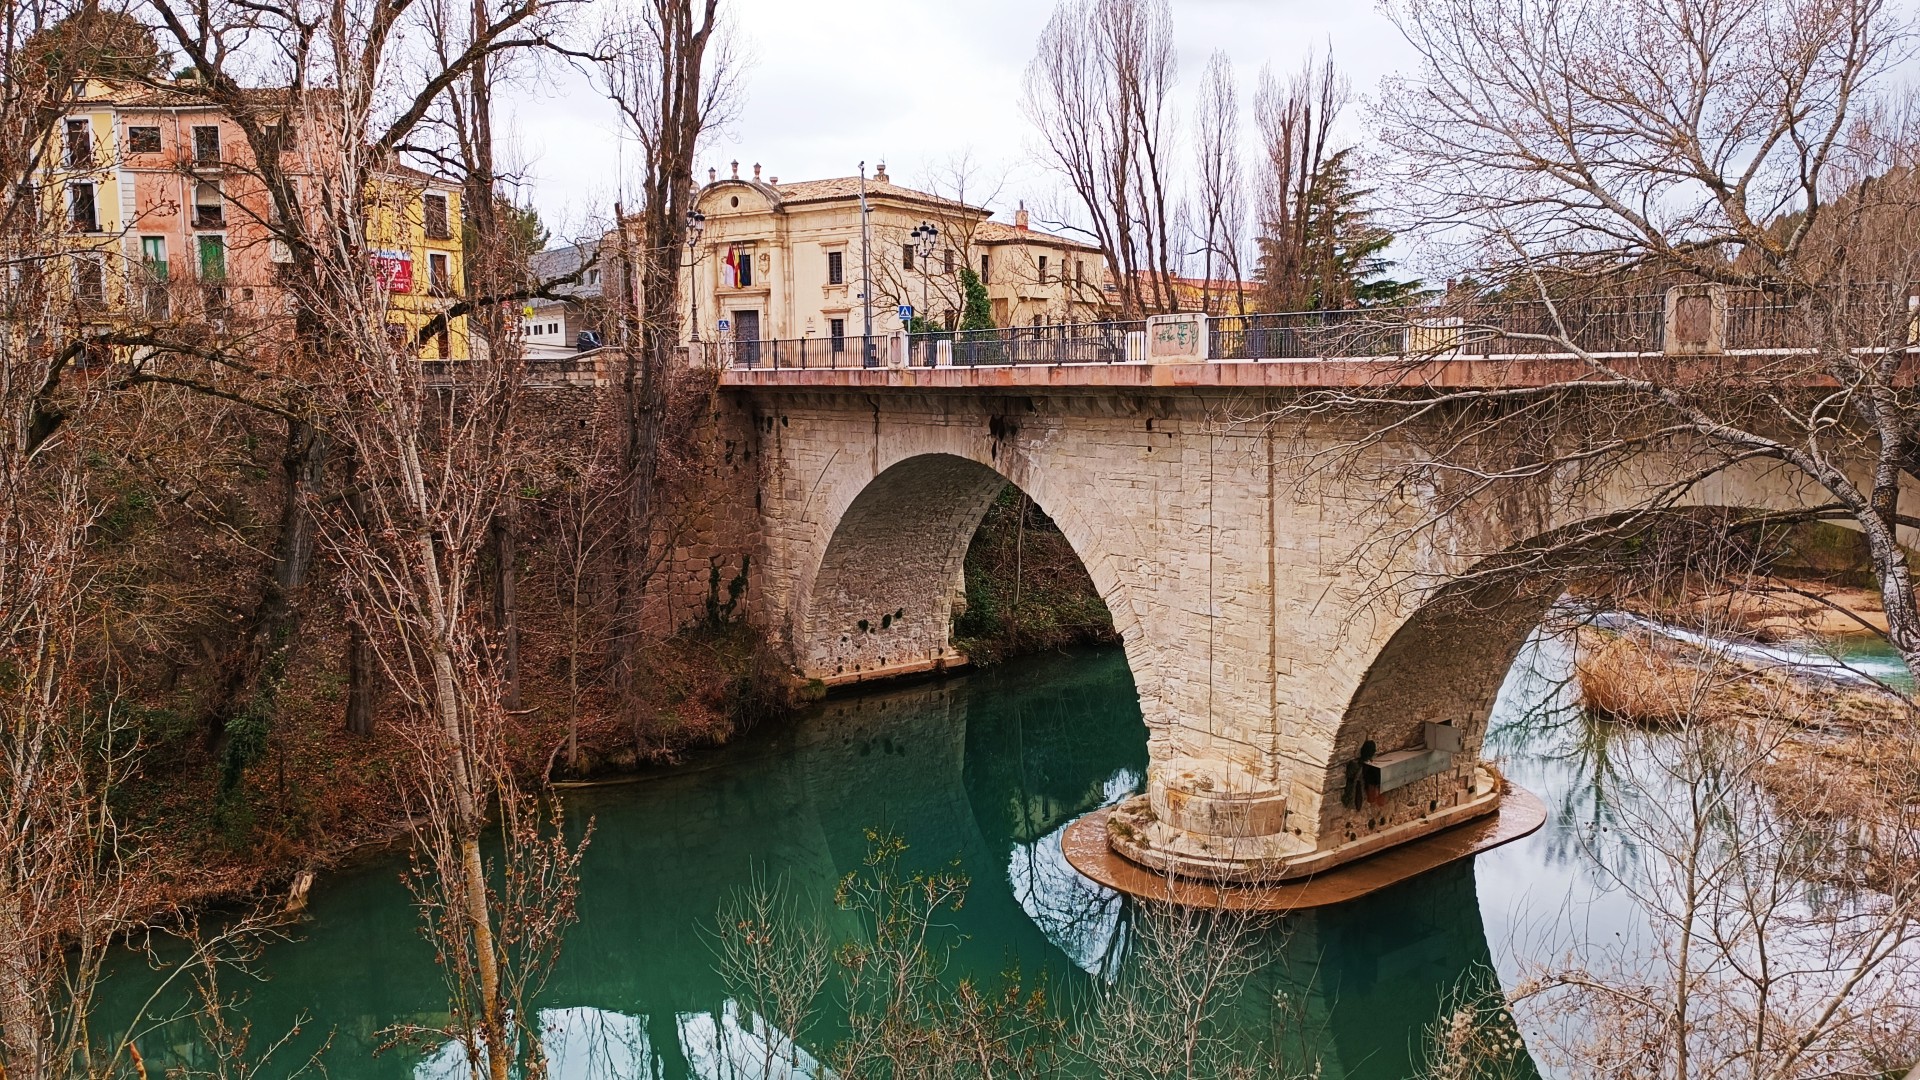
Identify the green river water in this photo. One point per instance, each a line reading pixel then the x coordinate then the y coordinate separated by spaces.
pixel 985 769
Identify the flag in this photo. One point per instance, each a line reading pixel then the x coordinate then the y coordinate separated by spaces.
pixel 730 270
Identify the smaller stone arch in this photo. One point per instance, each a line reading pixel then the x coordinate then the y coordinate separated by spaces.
pixel 882 601
pixel 894 559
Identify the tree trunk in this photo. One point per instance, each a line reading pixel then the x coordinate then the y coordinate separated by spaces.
pixel 254 667
pixel 361 671
pixel 506 605
pixel 20 1042
pixel 473 882
pixel 362 665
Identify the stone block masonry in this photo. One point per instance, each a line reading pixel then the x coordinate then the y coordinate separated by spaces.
pixel 707 527
pixel 1281 592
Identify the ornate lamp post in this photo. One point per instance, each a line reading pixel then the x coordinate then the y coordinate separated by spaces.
pixel 925 239
pixel 696 224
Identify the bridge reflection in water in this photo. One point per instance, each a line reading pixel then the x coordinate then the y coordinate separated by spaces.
pixel 987 769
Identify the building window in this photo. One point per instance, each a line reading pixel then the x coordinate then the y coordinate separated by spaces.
pixel 906 256
pixel 213 258
pixel 279 137
pixel 79 144
pixel 439 277
pixel 837 333
pixel 1079 271
pixel 153 266
pixel 986 265
pixel 206 145
pixel 947 265
pixel 208 210
pixel 746 268
pixel 143 140
pixel 89 281
pixel 836 268
pixel 153 257
pixel 593 276
pixel 81 209
pixel 442 343
pixel 274 216
pixel 438 227
pixel 1043 271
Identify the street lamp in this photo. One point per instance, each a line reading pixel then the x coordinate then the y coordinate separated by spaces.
pixel 925 239
pixel 696 224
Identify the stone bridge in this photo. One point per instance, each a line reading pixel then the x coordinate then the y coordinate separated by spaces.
pixel 1315 677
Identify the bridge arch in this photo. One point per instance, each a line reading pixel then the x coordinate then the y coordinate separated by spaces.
pixel 882 597
pixel 1445 662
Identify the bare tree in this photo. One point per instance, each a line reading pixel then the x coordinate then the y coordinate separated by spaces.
pixel 435 462
pixel 1097 93
pixel 1221 207
pixel 65 881
pixel 498 242
pixel 582 518
pixel 1296 121
pixel 935 288
pixel 1756 959
pixel 668 66
pixel 64 886
pixel 1760 151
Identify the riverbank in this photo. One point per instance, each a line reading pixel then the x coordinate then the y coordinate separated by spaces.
pixel 1838 751
pixel 318 799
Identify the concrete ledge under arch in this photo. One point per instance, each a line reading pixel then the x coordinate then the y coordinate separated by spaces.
pixel 1086 847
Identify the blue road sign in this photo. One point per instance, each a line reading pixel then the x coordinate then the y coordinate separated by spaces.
pixel 906 312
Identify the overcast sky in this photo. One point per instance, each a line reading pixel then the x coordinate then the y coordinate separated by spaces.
pixel 912 83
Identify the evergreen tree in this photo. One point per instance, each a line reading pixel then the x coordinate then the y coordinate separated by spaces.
pixel 977 311
pixel 1336 259
pixel 96 41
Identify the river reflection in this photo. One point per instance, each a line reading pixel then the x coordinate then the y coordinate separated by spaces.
pixel 984 771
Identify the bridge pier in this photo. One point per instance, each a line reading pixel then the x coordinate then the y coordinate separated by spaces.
pixel 1314 690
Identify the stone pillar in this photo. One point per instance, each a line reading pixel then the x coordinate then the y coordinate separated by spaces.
pixel 1696 320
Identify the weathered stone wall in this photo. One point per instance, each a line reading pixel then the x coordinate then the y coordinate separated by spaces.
pixel 707 523
pixel 1266 578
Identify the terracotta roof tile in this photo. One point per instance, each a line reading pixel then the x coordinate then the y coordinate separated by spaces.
pixel 998 232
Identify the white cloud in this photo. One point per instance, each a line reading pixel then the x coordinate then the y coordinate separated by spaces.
pixel 911 83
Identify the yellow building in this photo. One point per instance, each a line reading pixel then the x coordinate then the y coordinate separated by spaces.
pixel 413 237
pixel 778 261
pixel 162 217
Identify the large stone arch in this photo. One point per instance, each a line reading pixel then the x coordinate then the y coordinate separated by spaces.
pixel 1444 659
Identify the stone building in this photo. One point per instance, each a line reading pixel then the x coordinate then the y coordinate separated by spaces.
pixel 785 261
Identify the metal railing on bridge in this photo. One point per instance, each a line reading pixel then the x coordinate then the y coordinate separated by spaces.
pixel 1631 324
pixel 1076 343
pixel 1734 321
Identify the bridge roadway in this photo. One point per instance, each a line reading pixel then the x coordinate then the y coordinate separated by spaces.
pixel 1315 676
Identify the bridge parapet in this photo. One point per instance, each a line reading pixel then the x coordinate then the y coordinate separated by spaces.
pixel 1685 321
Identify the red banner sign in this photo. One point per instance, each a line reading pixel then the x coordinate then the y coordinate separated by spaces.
pixel 394 269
